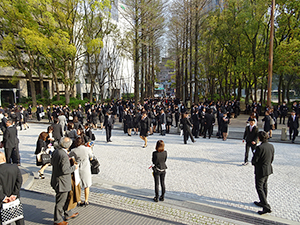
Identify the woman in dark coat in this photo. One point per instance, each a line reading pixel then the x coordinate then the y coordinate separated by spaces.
pixel 101 117
pixel 159 158
pixel 88 133
pixel 186 124
pixel 42 146
pixel 94 119
pixel 224 128
pixel 145 126
pixel 129 122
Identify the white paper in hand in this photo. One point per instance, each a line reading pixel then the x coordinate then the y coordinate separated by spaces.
pixel 77 177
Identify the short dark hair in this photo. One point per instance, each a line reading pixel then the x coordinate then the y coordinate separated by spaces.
pixel 263 136
pixel 160 146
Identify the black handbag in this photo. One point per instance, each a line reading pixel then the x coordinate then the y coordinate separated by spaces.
pixel 46 158
pixel 95 166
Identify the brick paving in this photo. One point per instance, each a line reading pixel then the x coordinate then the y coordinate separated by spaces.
pixel 206 183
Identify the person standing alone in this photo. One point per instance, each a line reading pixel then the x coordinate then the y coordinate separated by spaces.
pixel 293 125
pixel 250 135
pixel 159 158
pixel 262 162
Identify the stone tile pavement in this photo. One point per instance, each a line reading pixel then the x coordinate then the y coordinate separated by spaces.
pixel 206 183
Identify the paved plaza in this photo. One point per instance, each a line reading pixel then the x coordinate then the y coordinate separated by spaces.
pixel 205 181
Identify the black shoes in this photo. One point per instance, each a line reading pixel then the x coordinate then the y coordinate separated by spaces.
pixel 161 198
pixel 258 204
pixel 264 211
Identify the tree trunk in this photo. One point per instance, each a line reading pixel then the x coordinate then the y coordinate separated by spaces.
pixel 279 89
pixel 240 90
pixel 136 55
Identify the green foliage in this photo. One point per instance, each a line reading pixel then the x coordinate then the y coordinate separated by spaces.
pixel 127 96
pixel 74 102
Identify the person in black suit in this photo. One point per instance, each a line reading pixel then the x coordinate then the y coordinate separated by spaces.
pixel 196 122
pixel 109 121
pixel 159 158
pixel 283 112
pixel 145 127
pixel 209 121
pixel 186 124
pixel 10 183
pixel 262 162
pixel 250 135
pixel 3 122
pixel 293 125
pixel 10 143
pixel 57 130
pixel 61 181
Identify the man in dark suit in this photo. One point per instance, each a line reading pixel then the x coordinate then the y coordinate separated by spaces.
pixel 10 143
pixel 57 130
pixel 262 162
pixel 10 183
pixel 250 135
pixel 283 112
pixel 209 120
pixel 109 121
pixel 3 122
pixel 293 125
pixel 61 181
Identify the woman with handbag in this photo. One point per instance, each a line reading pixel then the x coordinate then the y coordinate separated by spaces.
pixel 159 158
pixel 41 146
pixel 83 155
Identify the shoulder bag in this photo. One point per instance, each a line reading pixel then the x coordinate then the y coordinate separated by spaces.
pixel 95 166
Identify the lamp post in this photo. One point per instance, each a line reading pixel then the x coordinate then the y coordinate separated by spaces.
pixel 270 68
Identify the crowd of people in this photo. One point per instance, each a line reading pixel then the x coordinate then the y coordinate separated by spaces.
pixel 71 135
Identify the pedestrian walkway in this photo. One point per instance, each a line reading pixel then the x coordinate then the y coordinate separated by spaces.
pixel 206 183
pixel 115 204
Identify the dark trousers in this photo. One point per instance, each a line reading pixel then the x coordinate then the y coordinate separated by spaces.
pixel 186 135
pixel 61 206
pixel 202 128
pixel 209 129
pixel 108 132
pixel 159 176
pixel 248 146
pixel 195 130
pixel 293 131
pixel 176 121
pixel 281 116
pixel 261 185
pixel 12 155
